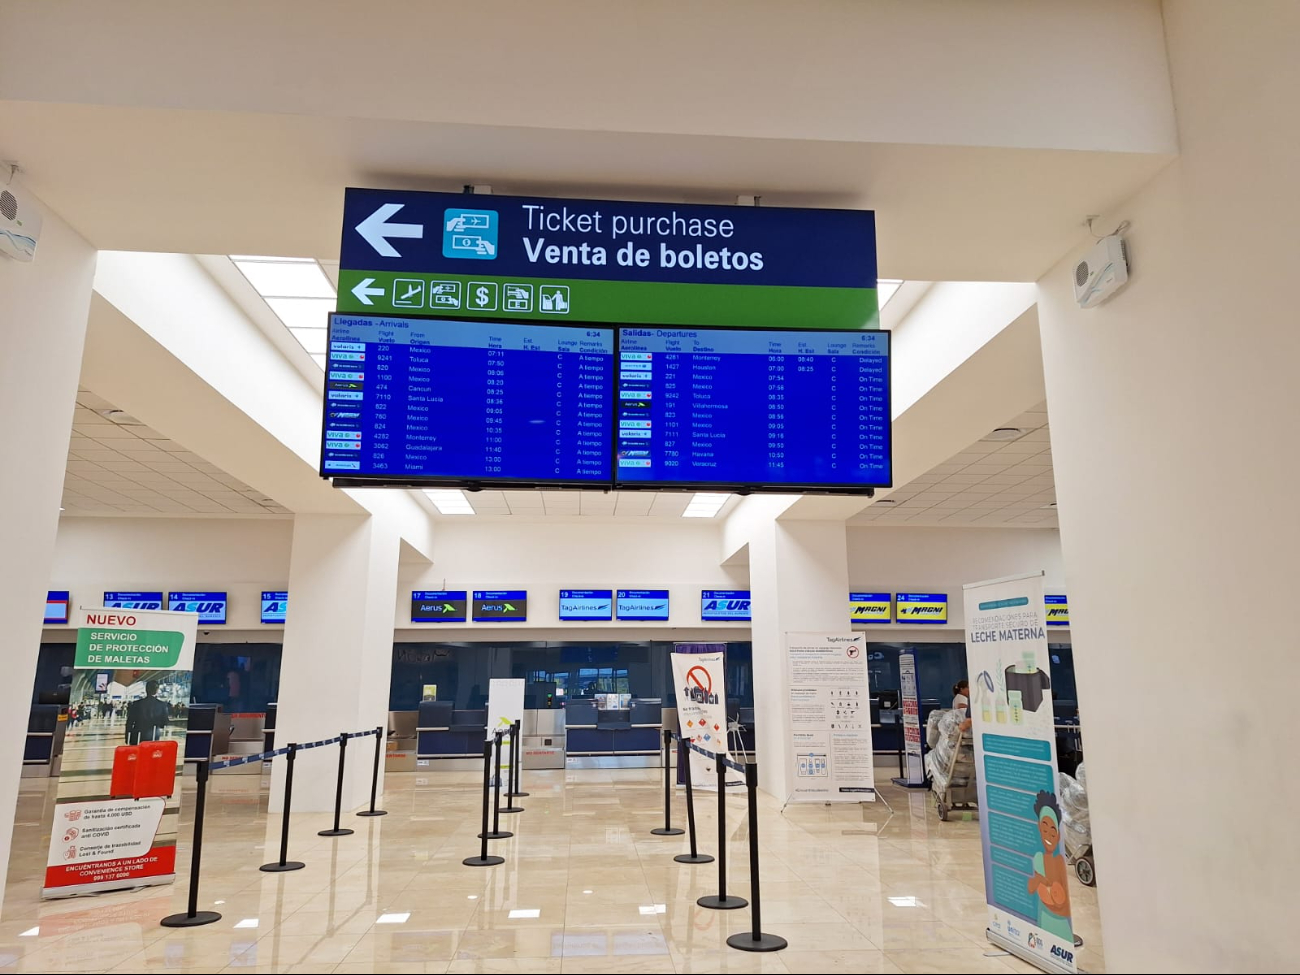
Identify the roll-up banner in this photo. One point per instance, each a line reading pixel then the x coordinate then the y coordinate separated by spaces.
pixel 911 707
pixel 1026 881
pixel 830 717
pixel 505 707
pixel 702 708
pixel 119 791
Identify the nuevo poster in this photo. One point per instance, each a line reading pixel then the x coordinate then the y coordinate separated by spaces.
pixel 119 792
pixel 702 708
pixel 830 717
pixel 1026 881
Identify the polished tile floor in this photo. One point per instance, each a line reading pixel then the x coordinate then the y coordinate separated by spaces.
pixel 585 888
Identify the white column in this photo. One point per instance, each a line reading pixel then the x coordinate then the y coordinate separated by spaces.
pixel 338 652
pixel 1173 412
pixel 799 578
pixel 43 309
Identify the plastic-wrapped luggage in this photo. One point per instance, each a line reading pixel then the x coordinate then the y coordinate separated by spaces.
pixel 1075 823
pixel 950 762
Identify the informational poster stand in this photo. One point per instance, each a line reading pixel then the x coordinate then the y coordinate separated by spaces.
pixel 702 708
pixel 1026 881
pixel 505 707
pixel 119 793
pixel 830 718
pixel 910 702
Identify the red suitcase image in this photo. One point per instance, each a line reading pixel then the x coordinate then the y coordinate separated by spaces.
pixel 125 760
pixel 155 773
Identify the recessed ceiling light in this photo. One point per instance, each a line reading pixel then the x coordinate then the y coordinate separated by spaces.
pixel 705 505
pixel 302 312
pixel 286 279
pixel 120 417
pixel 451 502
pixel 1004 434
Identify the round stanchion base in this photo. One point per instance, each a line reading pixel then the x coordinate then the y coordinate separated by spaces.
pixel 282 867
pixel 483 861
pixel 746 941
pixel 667 831
pixel 715 903
pixel 512 809
pixel 373 812
pixel 188 921
pixel 500 834
pixel 517 795
pixel 335 832
pixel 697 858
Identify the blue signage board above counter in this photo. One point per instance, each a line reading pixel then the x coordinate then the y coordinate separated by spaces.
pixel 211 606
pixel 500 605
pixel 56 606
pixel 438 606
pixel 929 608
pixel 133 600
pixel 410 252
pixel 725 606
pixel 643 605
pixel 1058 610
pixel 577 605
pixel 275 607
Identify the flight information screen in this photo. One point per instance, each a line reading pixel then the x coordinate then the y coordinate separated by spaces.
pixel 457 401
pixel 761 408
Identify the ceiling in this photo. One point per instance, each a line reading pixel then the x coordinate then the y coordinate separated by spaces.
pixel 128 468
pixel 989 484
pixel 590 504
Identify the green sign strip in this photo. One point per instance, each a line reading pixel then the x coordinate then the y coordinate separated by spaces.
pixel 617 302
pixel 130 648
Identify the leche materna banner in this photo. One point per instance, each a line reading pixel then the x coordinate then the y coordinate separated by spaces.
pixel 830 717
pixel 119 790
pixel 702 708
pixel 1026 881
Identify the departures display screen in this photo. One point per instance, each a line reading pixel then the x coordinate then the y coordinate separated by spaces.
pixel 468 401
pixel 737 407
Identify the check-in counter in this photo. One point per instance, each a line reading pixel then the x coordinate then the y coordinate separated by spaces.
pixel 591 731
pixel 442 732
pixel 403 741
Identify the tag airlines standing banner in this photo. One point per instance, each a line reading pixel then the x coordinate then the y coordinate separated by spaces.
pixel 603 261
pixel 119 791
pixel 1026 882
pixel 830 717
pixel 702 708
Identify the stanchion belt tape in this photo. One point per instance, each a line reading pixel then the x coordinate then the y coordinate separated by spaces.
pixel 708 754
pixel 267 756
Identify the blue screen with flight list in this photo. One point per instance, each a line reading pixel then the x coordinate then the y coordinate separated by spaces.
pixel 465 401
pixel 808 409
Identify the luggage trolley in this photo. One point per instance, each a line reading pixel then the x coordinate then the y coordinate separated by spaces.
pixel 951 764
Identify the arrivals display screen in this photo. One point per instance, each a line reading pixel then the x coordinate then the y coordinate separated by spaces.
pixel 757 409
pixel 463 402
pixel 133 600
pixel 577 605
pixel 724 606
pixel 643 604
pixel 921 607
pixel 211 606
pixel 56 606
pixel 275 607
pixel 500 605
pixel 438 606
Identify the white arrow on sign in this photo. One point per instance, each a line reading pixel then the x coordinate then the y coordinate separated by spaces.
pixel 376 230
pixel 363 291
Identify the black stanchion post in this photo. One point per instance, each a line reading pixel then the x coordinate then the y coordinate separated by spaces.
pixel 755 940
pixel 497 832
pixel 338 791
pixel 284 864
pixel 517 761
pixel 695 856
pixel 483 860
pixel 193 917
pixel 513 757
pixel 667 829
pixel 374 777
pixel 720 901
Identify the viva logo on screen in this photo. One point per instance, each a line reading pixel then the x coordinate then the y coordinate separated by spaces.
pixel 471 234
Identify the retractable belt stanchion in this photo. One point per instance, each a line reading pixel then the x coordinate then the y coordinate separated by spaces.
pixel 513 757
pixel 374 777
pixel 517 762
pixel 720 901
pixel 483 860
pixel 667 829
pixel 755 939
pixel 193 917
pixel 284 864
pixel 497 832
pixel 695 856
pixel 338 791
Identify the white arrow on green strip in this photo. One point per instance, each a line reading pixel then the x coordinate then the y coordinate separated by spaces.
pixel 364 292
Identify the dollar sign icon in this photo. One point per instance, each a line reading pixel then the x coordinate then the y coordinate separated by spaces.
pixel 481 295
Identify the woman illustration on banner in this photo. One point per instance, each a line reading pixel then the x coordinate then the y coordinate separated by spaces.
pixel 1049 879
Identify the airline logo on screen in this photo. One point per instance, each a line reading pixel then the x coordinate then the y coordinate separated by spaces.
pixel 586 604
pixel 438 606
pixel 471 234
pixel 500 605
pixel 643 604
pixel 922 607
pixel 275 607
pixel 727 605
pixel 870 607
pixel 133 600
pixel 1058 610
pixel 56 606
pixel 210 606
